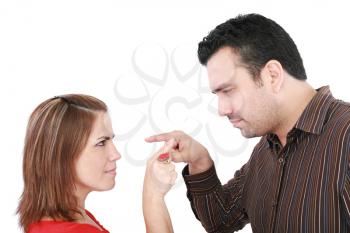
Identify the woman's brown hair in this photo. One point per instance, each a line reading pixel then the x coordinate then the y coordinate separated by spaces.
pixel 57 132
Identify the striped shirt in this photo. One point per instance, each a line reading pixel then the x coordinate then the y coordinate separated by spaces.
pixel 301 187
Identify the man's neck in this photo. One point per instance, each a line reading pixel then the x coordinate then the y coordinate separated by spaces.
pixel 297 99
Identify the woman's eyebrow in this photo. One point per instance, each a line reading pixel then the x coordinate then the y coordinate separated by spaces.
pixel 107 137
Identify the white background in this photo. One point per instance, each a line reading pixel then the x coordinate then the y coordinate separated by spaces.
pixel 49 48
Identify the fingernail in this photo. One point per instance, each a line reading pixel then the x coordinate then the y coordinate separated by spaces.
pixel 163 156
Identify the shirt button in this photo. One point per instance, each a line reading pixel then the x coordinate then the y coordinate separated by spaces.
pixel 280 160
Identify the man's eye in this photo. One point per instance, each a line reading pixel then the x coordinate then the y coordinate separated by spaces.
pixel 226 91
pixel 101 143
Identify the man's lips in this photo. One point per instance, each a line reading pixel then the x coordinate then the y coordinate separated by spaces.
pixel 235 122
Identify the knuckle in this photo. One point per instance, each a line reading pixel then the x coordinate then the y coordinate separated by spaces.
pixel 178 132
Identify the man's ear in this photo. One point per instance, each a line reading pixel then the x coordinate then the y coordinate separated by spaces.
pixel 273 75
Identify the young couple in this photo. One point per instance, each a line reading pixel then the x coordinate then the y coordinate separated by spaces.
pixel 296 180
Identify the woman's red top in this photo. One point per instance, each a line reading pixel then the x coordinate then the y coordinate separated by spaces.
pixel 66 227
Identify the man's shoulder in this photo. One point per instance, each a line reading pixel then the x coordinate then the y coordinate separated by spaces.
pixel 339 114
pixel 263 144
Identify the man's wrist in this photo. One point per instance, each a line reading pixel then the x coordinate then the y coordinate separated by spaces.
pixel 200 165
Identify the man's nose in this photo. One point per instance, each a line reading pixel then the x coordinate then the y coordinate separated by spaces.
pixel 224 108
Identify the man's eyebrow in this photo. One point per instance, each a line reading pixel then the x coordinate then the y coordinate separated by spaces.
pixel 220 87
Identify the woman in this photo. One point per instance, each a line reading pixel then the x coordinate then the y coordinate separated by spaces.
pixel 68 153
pixel 159 178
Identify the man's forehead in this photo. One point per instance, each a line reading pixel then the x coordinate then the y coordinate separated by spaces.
pixel 220 77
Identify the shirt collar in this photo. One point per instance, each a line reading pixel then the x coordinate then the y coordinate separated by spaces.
pixel 314 115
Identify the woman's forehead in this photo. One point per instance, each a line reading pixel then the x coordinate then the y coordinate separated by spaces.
pixel 102 125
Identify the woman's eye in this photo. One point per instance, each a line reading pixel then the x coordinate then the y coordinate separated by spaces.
pixel 101 143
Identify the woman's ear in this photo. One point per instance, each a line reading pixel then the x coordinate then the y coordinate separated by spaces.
pixel 273 75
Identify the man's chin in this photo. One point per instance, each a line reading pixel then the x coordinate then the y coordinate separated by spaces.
pixel 248 134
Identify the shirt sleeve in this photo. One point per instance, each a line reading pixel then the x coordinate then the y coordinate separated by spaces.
pixel 346 197
pixel 217 207
pixel 345 192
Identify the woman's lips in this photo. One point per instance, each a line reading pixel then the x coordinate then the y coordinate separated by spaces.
pixel 112 171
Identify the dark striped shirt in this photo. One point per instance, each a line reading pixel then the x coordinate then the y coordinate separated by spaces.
pixel 301 187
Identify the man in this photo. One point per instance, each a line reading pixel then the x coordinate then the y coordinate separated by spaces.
pixel 298 176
